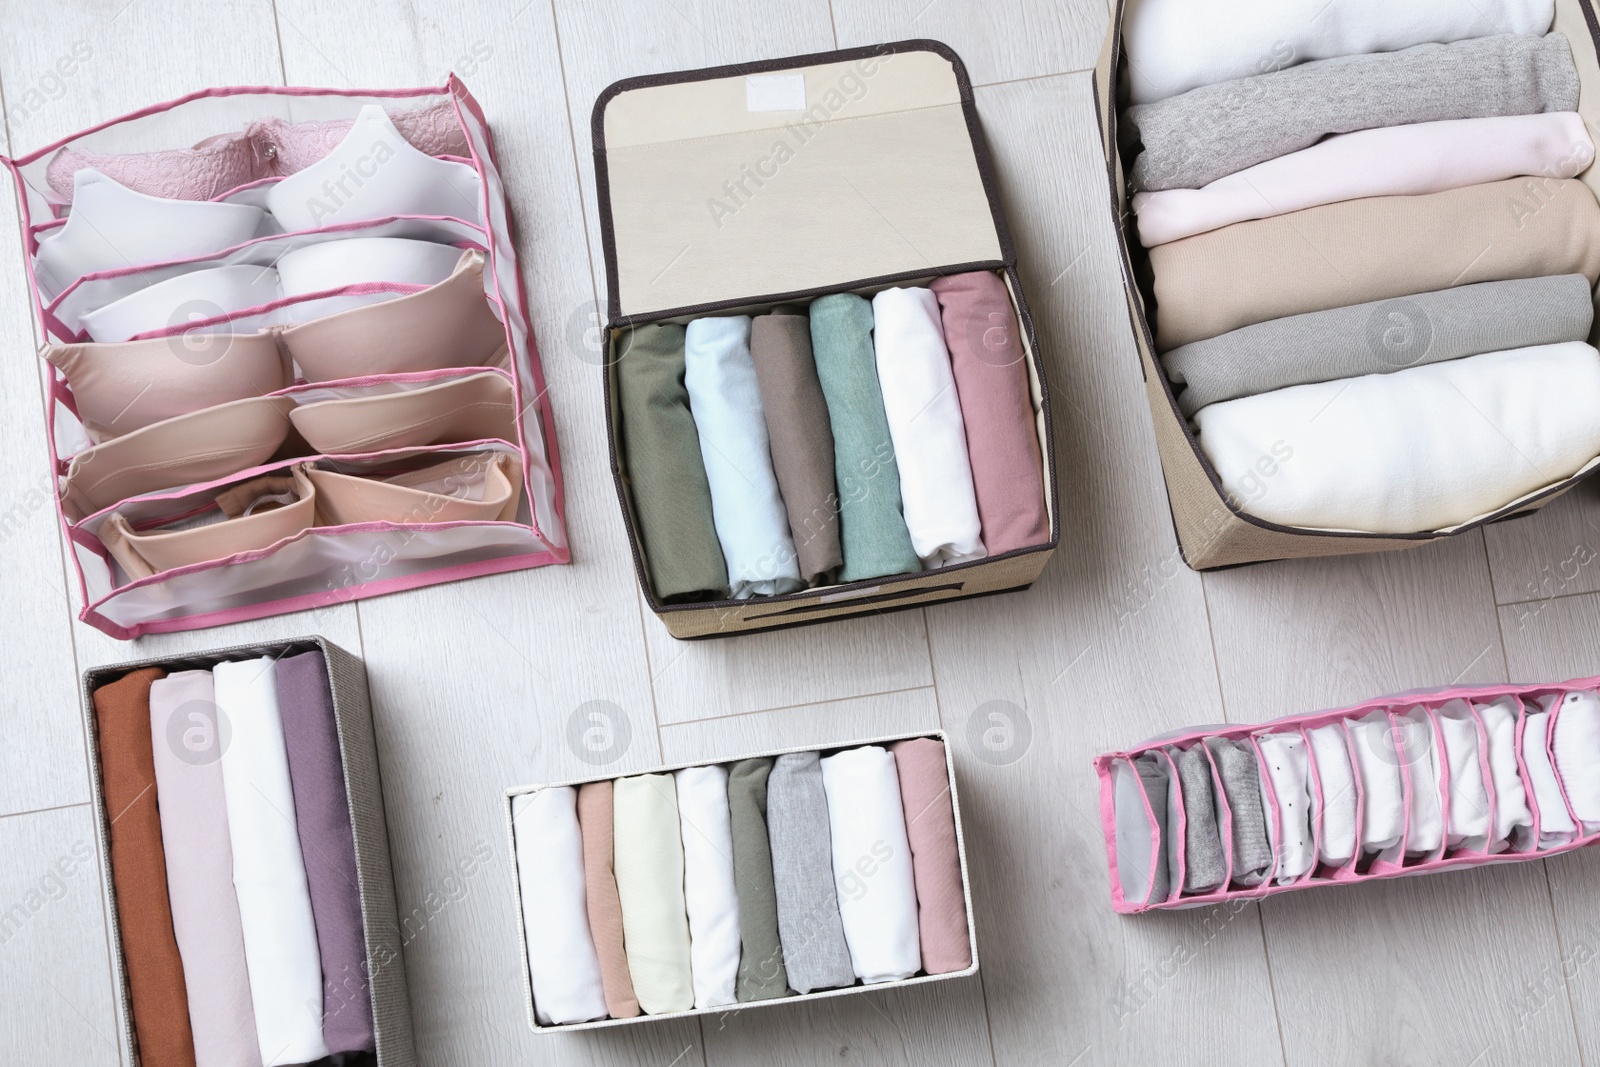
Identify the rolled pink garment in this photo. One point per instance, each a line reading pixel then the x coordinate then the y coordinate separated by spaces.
pixel 596 812
pixel 935 861
pixel 985 342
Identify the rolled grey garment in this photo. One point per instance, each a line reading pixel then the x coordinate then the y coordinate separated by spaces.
pixel 1241 785
pixel 1157 782
pixel 815 955
pixel 1204 866
pixel 1208 133
pixel 1381 337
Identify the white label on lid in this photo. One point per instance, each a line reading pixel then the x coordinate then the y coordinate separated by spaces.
pixel 775 92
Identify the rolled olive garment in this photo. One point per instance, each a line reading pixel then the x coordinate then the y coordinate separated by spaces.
pixel 1381 337
pixel 1240 772
pixel 1217 130
pixel 665 469
pixel 1204 867
pixel 139 870
pixel 873 533
pixel 1378 248
pixel 761 972
pixel 649 868
pixel 596 815
pixel 800 437
pixel 815 955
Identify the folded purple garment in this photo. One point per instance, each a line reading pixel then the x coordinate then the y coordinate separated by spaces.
pixel 322 815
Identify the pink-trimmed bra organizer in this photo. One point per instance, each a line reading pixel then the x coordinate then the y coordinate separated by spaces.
pixel 171 470
pixel 1146 822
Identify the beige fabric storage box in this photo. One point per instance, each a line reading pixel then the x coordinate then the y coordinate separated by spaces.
pixel 1213 530
pixel 654 172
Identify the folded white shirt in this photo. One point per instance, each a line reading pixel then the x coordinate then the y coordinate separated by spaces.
pixel 1510 798
pixel 1288 779
pixel 1577 750
pixel 1418 450
pixel 1426 157
pixel 1331 754
pixel 930 438
pixel 269 872
pixel 1469 799
pixel 1177 45
pixel 1555 822
pixel 872 864
pixel 746 508
pixel 1425 815
pixel 708 887
pixel 1383 801
pixel 562 963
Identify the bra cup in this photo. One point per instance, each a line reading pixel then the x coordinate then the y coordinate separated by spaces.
pixel 357 260
pixel 448 325
pixel 192 297
pixel 343 499
pixel 374 173
pixel 201 446
pixel 112 226
pixel 475 408
pixel 120 388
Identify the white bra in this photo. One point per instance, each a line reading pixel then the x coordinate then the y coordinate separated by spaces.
pixel 374 173
pixel 112 226
pixel 221 291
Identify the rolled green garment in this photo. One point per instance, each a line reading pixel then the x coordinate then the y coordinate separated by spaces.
pixel 1381 336
pixel 815 954
pixel 649 867
pixel 664 467
pixel 761 973
pixel 801 440
pixel 873 533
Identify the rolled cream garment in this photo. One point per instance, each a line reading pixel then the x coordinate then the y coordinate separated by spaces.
pixel 1383 802
pixel 269 873
pixel 872 864
pixel 1336 844
pixel 1174 46
pixel 709 894
pixel 1288 777
pixel 930 439
pixel 1511 810
pixel 1418 450
pixel 1381 337
pixel 1469 799
pixel 1576 744
pixel 1555 822
pixel 1208 133
pixel 562 964
pixel 1325 257
pixel 725 399
pixel 649 867
pixel 1424 812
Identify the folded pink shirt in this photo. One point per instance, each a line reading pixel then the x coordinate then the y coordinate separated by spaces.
pixel 935 861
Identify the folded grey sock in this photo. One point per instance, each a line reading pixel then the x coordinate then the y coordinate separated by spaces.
pixel 1156 778
pixel 815 955
pixel 1241 784
pixel 1217 130
pixel 1204 866
pixel 1381 337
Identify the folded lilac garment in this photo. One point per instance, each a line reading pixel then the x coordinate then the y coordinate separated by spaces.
pixel 935 857
pixel 327 843
pixel 194 836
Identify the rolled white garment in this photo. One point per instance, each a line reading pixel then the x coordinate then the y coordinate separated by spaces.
pixel 1577 749
pixel 1177 45
pixel 872 864
pixel 562 963
pixel 1337 845
pixel 930 438
pixel 1425 815
pixel 1555 822
pixel 1469 799
pixel 708 887
pixel 1383 804
pixel 1422 449
pixel 1510 798
pixel 269 873
pixel 1288 777
pixel 1426 157
pixel 746 508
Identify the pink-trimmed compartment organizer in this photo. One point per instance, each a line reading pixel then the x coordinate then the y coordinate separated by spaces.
pixel 1400 785
pixel 291 360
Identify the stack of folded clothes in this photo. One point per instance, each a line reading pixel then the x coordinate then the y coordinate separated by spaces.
pixel 1373 264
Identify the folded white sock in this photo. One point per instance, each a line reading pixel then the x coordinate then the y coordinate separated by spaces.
pixel 1469 799
pixel 1338 814
pixel 562 963
pixel 708 888
pixel 1425 816
pixel 1288 776
pixel 1577 750
pixel 1383 804
pixel 1510 798
pixel 1555 823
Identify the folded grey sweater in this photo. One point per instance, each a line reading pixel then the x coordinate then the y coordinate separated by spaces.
pixel 1381 337
pixel 1217 130
pixel 1204 865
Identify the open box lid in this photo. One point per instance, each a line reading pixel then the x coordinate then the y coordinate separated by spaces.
pixel 770 181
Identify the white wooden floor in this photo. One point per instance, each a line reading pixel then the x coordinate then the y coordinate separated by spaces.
pixel 1118 640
